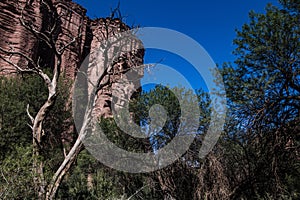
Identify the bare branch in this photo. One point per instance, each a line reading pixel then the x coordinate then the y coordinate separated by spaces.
pixel 31 127
pixel 11 52
pixel 62 49
pixel 29 115
pixel 38 71
pixel 18 68
pixel 137 192
pixel 39 35
pixel 116 11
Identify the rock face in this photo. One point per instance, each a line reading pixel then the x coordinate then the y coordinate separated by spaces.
pixel 123 52
pixel 14 35
pixel 71 21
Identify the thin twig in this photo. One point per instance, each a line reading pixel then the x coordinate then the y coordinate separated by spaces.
pixel 29 115
pixel 137 192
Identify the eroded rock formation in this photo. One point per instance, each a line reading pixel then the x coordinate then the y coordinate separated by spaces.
pixel 71 21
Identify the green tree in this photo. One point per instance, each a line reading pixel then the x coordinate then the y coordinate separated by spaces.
pixel 15 134
pixel 263 88
pixel 180 179
pixel 165 183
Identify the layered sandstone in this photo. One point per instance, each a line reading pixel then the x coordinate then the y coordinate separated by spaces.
pixel 15 37
pixel 124 52
pixel 71 21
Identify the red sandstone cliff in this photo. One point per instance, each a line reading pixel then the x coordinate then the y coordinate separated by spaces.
pixel 71 21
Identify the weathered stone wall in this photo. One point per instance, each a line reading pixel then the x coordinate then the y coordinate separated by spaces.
pixel 73 21
pixel 15 37
pixel 123 52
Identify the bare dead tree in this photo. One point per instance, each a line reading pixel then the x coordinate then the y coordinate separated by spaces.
pixel 109 41
pixel 34 67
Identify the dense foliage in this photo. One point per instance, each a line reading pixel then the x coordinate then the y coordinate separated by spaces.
pixel 257 157
pixel 15 133
pixel 263 123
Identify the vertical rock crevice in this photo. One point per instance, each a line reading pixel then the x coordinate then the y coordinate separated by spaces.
pixel 72 21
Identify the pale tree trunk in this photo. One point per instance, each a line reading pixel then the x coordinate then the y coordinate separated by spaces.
pixel 75 150
pixel 63 169
pixel 33 67
pixel 43 189
pixel 38 132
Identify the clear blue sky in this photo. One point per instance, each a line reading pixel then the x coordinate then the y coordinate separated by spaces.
pixel 211 23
